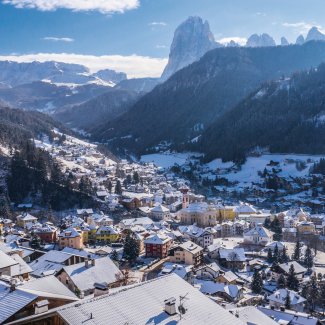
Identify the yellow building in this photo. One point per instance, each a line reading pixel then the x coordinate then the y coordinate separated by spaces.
pixel 305 227
pixel 71 238
pixel 227 213
pixel 108 234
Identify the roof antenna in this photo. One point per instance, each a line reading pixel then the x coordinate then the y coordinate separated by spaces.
pixel 182 310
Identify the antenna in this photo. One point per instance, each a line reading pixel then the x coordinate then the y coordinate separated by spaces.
pixel 182 310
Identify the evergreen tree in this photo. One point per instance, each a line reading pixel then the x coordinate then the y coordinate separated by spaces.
pixel 322 297
pixel 118 188
pixel 35 242
pixel 128 179
pixel 312 293
pixel 287 303
pixel 267 223
pixel 292 280
pixel 281 281
pixel 276 254
pixel 136 177
pixel 276 227
pixel 284 258
pixel 308 259
pixel 131 249
pixel 269 256
pixel 109 186
pixel 257 282
pixel 114 255
pixel 296 253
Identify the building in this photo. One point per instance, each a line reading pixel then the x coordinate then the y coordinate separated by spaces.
pixel 208 271
pixel 108 234
pixel 278 298
pixel 47 233
pixel 160 212
pixel 164 300
pixel 259 235
pixel 71 238
pixel 306 228
pixel 188 253
pixel 157 245
pixel 81 277
pixel 232 258
pixel 200 236
pixel 24 219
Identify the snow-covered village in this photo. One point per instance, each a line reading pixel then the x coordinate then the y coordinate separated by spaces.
pixel 149 230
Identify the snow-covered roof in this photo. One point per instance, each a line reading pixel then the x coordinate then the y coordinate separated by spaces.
pixel 84 277
pixel 280 295
pixel 191 247
pixel 252 316
pixel 233 255
pixel 298 267
pixel 159 209
pixel 157 239
pixel 136 221
pixel 6 260
pixel 259 231
pixel 144 303
pixel 70 233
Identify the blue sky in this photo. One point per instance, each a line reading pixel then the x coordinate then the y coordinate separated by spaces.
pixel 128 31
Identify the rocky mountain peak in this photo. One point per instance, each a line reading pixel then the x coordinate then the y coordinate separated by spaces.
pixel 263 40
pixel 315 35
pixel 284 41
pixel 300 40
pixel 192 39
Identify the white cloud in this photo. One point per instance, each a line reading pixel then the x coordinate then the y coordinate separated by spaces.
pixel 157 23
pixel 302 27
pixel 103 6
pixel 161 46
pixel 240 40
pixel 58 39
pixel 134 66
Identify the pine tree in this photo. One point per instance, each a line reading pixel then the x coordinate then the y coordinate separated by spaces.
pixel 276 227
pixel 109 186
pixel 287 303
pixel 312 293
pixel 267 223
pixel 114 255
pixel 322 297
pixel 131 249
pixel 292 280
pixel 308 259
pixel 118 188
pixel 281 281
pixel 257 282
pixel 284 258
pixel 296 253
pixel 276 254
pixel 269 256
pixel 136 177
pixel 35 242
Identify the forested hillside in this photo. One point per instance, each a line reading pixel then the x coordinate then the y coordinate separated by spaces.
pixel 31 173
pixel 186 104
pixel 285 116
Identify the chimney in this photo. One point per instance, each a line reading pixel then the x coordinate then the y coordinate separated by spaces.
pixel 100 289
pixel 170 306
pixel 41 307
pixel 13 283
pixel 86 263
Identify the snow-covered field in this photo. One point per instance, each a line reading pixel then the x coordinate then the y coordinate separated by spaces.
pixel 167 160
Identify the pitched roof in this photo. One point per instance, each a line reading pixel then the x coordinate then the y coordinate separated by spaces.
pixel 298 268
pixel 144 304
pixel 259 231
pixel 281 294
pixel 252 316
pixel 157 239
pixel 84 277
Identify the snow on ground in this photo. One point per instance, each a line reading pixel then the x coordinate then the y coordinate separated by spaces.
pixel 167 160
pixel 249 171
pixel 4 150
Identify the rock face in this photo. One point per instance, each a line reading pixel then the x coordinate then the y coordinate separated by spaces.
pixel 110 76
pixel 284 41
pixel 263 40
pixel 300 40
pixel 192 39
pixel 315 35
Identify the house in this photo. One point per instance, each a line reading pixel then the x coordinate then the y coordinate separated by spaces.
pixel 108 234
pixel 289 317
pixel 258 235
pixel 188 253
pixel 81 277
pixel 306 228
pixel 228 277
pixel 200 236
pixel 253 316
pixel 150 302
pixel 70 238
pixel 208 271
pixel 278 300
pixel 32 297
pixel 159 212
pixel 182 270
pixel 13 266
pixel 47 233
pixel 284 269
pixel 130 222
pixel 228 292
pixel 232 258
pixel 157 245
pixel 24 219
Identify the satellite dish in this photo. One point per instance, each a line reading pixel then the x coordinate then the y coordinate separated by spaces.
pixel 182 309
